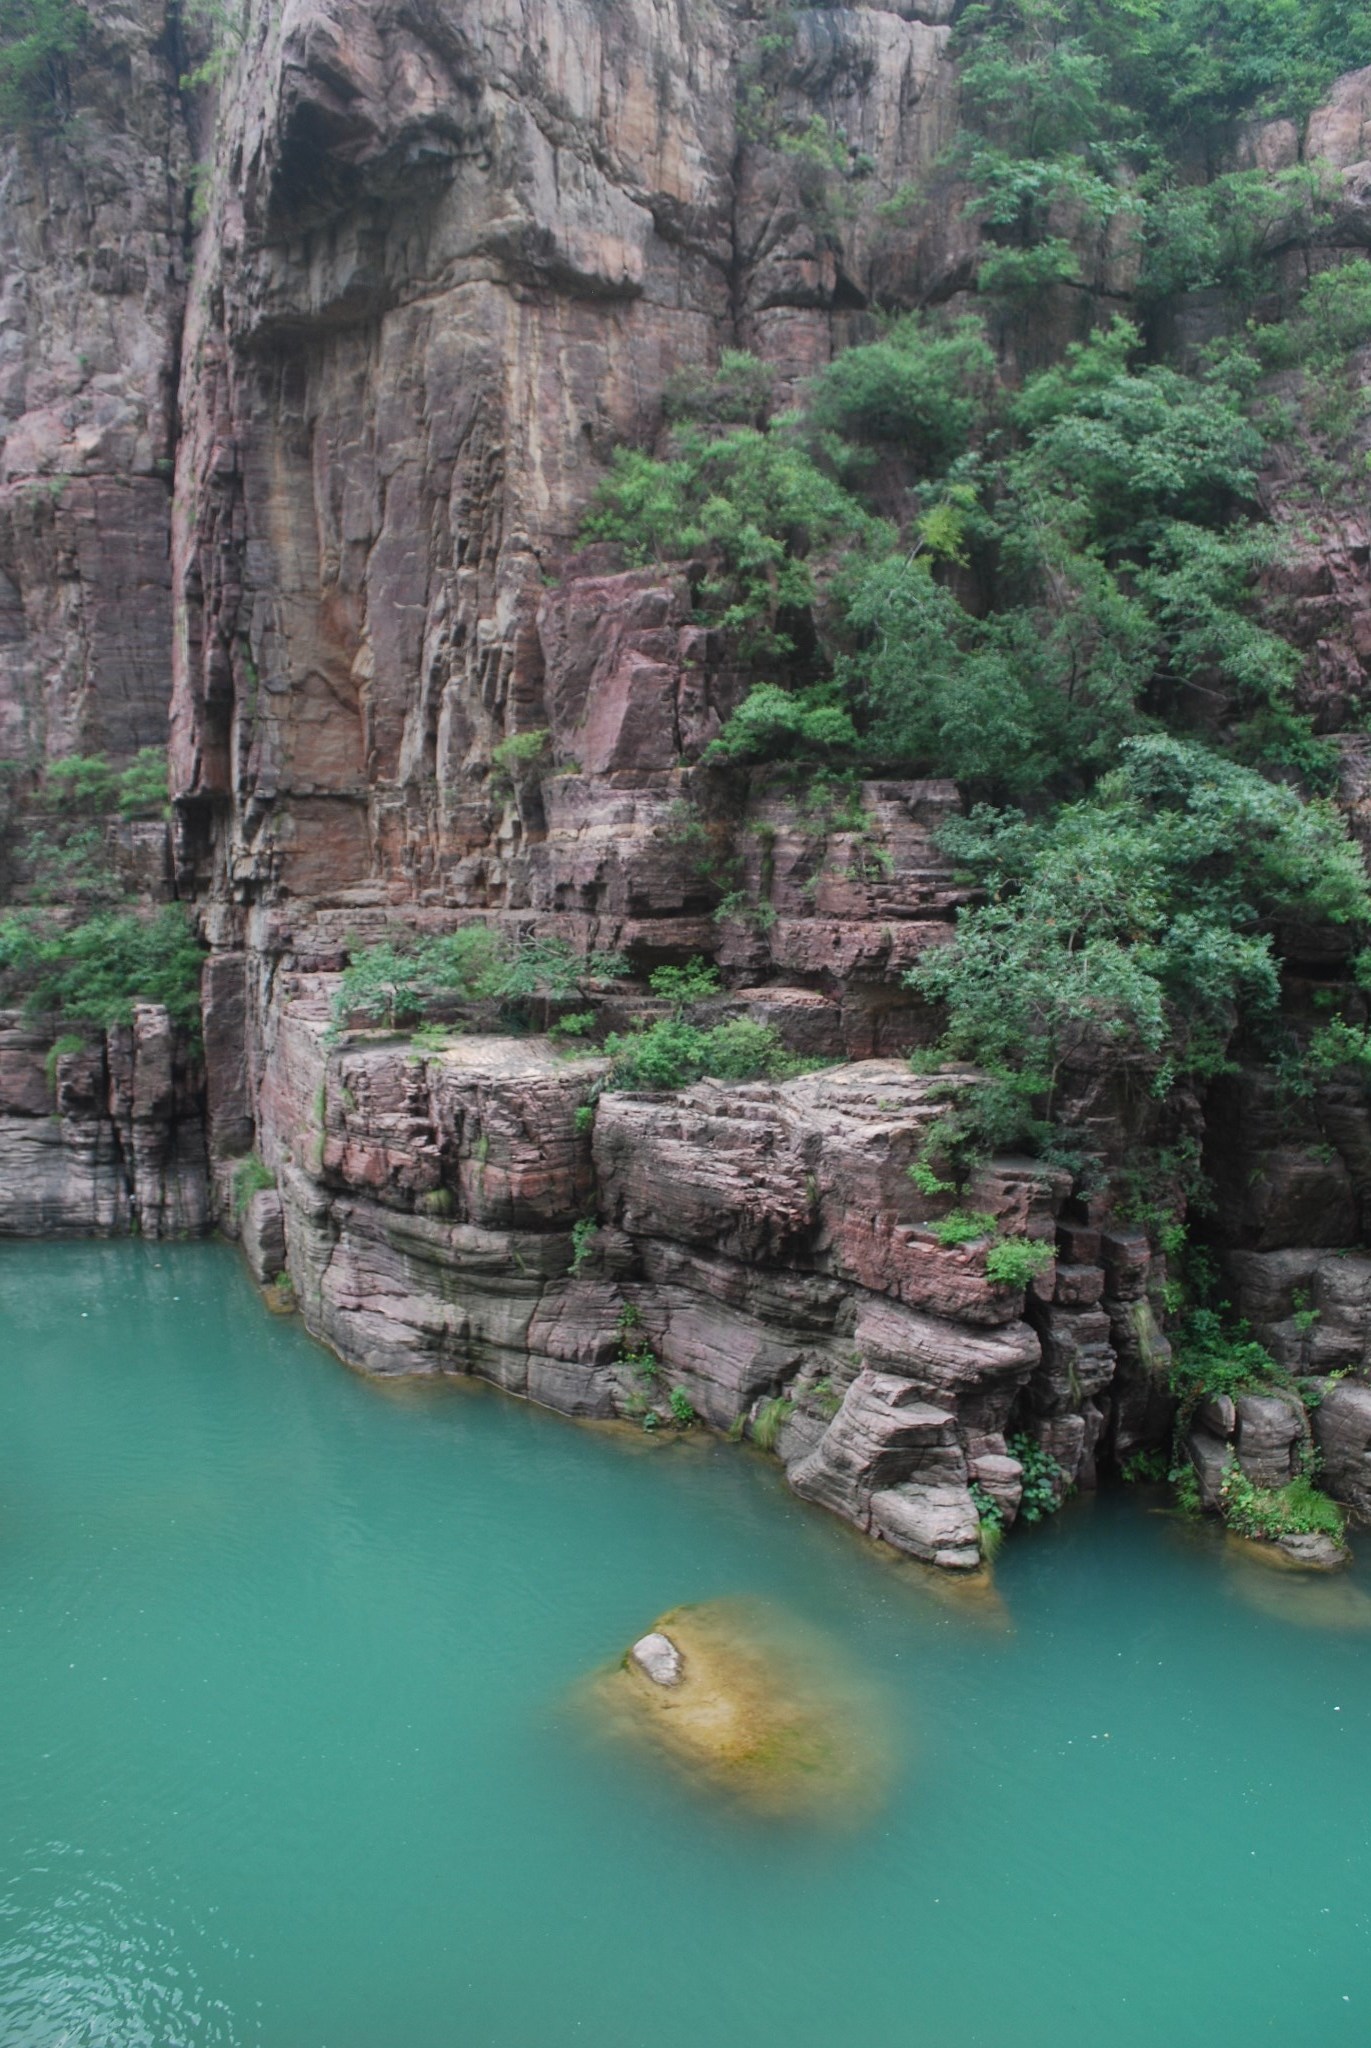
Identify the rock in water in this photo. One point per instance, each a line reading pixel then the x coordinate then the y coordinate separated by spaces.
pixel 751 1704
pixel 659 1657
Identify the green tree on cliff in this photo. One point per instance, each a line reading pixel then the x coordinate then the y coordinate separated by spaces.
pixel 37 40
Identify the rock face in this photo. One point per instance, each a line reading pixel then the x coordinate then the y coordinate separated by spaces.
pixel 92 289
pixel 100 1137
pixel 762 1242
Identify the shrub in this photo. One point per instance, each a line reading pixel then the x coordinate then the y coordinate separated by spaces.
pixel 754 503
pixel 37 38
pixel 737 394
pixel 963 1226
pixel 772 724
pixel 1267 1513
pixel 1133 925
pixel 81 785
pixel 583 1235
pixel 61 1048
pixel 1211 1358
pixel 671 1053
pixel 991 1517
pixel 1043 1479
pixel 143 785
pixel 693 983
pixel 682 1410
pixel 393 983
pixel 250 1177
pixel 94 972
pixel 516 759
pixel 769 1421
pixel 1017 1261
pixel 923 387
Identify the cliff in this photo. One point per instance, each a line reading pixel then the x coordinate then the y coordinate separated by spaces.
pixel 296 455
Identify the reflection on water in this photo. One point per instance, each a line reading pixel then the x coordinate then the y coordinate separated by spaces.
pixel 92 1970
pixel 1261 1576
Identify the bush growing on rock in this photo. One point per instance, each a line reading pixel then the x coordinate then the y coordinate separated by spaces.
pixel 393 983
pixel 1135 924
pixel 37 40
pixel 672 1053
pixel 94 972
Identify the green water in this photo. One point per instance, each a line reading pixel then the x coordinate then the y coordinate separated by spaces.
pixel 285 1757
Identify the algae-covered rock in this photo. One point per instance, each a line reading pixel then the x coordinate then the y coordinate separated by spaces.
pixel 752 1704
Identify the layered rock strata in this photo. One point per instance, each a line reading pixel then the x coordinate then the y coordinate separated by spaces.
pixel 101 1133
pixel 749 1245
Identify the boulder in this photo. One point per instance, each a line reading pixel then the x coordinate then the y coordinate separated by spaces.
pixel 657 1656
pixel 1342 1431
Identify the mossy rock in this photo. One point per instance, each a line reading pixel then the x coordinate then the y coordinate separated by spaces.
pixel 758 1708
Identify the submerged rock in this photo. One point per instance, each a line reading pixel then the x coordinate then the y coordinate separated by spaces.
pixel 659 1658
pixel 751 1704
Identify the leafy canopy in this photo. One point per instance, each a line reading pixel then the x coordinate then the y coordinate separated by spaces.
pixel 1135 922
pixel 95 971
pixel 37 37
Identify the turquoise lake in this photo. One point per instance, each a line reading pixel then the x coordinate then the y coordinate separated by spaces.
pixel 287 1756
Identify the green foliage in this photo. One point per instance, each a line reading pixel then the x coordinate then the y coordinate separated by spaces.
pixel 1267 1513
pixel 1132 924
pixel 682 1409
pixel 1144 1468
pixel 1185 1488
pixel 736 394
pixel 221 27
pixel 923 387
pixel 37 40
pixel 681 986
pixel 1220 233
pixel 635 1353
pixel 518 758
pixel 753 503
pixel 93 972
pixel 250 1177
pixel 991 1517
pixel 963 1226
pixel 825 1397
pixel 1043 1479
pixel 927 1181
pixel 1017 1261
pixel 142 789
pixel 671 1053
pixel 1210 1358
pixel 772 724
pixel 392 983
pixel 575 1024
pixel 61 1048
pixel 583 1235
pixel 82 785
pixel 770 1419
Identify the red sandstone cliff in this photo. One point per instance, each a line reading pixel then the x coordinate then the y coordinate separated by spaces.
pixel 449 259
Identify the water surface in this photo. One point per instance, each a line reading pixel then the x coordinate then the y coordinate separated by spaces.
pixel 285 1759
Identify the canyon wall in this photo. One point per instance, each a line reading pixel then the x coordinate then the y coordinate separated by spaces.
pixel 442 262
